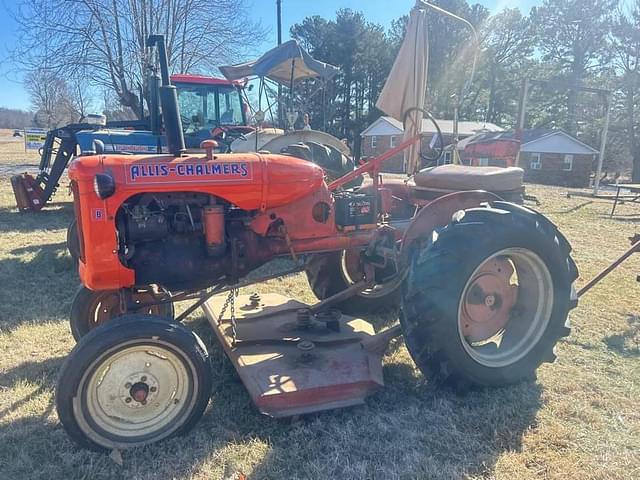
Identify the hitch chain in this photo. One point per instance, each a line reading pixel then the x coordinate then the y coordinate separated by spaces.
pixel 230 302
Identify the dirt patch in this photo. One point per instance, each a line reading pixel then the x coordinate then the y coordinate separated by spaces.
pixel 9 170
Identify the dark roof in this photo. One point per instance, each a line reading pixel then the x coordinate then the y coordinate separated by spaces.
pixel 527 135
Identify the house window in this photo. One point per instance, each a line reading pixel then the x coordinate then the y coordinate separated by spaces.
pixel 536 162
pixel 374 141
pixel 567 165
pixel 447 158
pixel 483 162
pixel 394 141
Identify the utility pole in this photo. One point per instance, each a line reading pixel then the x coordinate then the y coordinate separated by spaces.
pixel 522 113
pixel 603 141
pixel 279 21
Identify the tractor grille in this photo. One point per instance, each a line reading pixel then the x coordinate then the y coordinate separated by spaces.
pixel 78 214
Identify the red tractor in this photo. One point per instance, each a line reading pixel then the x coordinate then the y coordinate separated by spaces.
pixel 483 286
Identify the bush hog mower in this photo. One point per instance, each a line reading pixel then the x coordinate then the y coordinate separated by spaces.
pixel 483 286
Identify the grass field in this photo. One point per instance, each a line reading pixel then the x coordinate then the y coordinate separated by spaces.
pixel 580 420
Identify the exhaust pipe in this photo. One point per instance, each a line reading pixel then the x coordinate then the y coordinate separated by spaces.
pixel 168 100
pixel 154 104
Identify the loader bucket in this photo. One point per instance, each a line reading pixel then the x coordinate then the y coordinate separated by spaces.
pixel 29 195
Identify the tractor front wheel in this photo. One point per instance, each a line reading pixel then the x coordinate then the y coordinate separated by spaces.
pixel 133 381
pixel 486 302
pixel 93 308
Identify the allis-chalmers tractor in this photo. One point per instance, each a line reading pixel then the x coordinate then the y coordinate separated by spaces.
pixel 483 286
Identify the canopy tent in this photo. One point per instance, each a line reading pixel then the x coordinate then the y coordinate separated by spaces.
pixel 286 64
pixel 406 86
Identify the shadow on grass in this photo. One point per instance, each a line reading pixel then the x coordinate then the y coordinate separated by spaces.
pixel 40 287
pixel 626 343
pixel 572 209
pixel 53 217
pixel 41 373
pixel 410 429
pixel 622 218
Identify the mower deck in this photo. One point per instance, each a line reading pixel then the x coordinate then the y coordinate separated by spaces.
pixel 293 364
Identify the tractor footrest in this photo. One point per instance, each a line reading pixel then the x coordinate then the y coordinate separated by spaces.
pixel 293 364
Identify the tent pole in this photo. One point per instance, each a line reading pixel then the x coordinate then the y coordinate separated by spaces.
pixel 279 20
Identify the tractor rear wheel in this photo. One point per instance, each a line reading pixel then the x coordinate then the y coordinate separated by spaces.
pixel 133 381
pixel 331 273
pixel 487 301
pixel 93 308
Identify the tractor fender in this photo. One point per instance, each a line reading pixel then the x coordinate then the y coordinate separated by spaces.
pixel 438 214
pixel 282 141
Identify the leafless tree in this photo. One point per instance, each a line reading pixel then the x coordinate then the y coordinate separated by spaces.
pixel 50 98
pixel 106 38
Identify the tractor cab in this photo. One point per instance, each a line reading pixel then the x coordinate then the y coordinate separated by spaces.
pixel 208 104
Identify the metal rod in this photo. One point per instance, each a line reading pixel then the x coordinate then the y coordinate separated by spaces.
pixel 352 291
pixel 379 342
pixel 279 21
pixel 633 249
pixel 207 294
pixel 319 306
pixel 476 39
pixel 373 164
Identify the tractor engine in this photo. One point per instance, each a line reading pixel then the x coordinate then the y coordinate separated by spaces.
pixel 179 239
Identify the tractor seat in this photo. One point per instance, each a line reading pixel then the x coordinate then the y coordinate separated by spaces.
pixel 457 177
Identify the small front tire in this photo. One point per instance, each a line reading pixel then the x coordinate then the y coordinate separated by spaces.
pixel 133 381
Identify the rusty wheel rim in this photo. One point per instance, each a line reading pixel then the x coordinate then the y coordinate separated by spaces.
pixel 352 271
pixel 505 307
pixel 106 306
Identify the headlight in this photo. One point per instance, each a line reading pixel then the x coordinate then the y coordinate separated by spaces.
pixel 104 185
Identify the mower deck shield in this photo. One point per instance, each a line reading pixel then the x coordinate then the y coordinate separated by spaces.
pixel 290 369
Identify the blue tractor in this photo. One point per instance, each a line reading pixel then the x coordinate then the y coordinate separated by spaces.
pixel 209 107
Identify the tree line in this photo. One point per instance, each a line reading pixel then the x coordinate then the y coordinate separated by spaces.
pixel 570 43
pixel 102 59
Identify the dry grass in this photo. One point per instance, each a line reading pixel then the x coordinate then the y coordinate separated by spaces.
pixel 581 420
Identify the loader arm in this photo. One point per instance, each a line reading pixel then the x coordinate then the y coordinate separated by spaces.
pixel 58 149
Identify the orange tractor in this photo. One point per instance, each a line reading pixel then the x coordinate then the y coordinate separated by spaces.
pixel 483 286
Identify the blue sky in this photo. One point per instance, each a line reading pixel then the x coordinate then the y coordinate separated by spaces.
pixel 379 11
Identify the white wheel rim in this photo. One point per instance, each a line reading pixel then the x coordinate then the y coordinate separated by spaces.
pixel 110 407
pixel 531 316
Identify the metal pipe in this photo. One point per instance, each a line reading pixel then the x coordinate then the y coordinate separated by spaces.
pixel 633 249
pixel 168 100
pixel 476 39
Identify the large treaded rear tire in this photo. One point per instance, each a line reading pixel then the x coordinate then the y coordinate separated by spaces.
pixel 437 284
pixel 87 413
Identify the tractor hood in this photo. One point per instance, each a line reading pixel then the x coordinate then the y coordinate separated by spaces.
pixel 250 181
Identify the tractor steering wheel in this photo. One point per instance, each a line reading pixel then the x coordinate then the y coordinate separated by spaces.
pixel 435 151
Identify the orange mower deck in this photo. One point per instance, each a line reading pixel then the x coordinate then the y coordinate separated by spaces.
pixel 293 364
